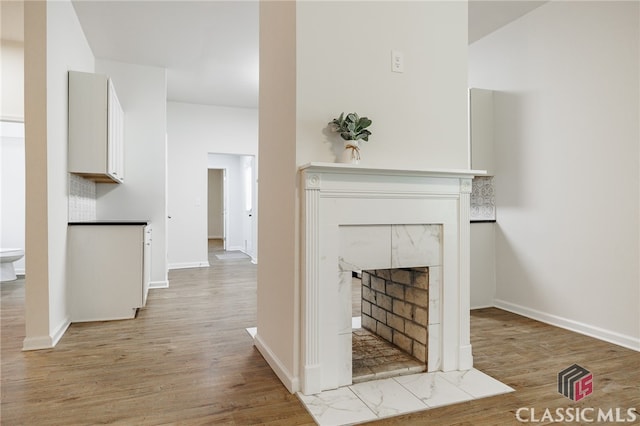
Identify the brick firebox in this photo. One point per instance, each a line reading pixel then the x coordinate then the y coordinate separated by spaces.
pixel 395 305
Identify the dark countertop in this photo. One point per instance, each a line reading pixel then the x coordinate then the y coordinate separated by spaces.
pixel 110 222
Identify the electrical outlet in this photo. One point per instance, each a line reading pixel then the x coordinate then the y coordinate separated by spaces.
pixel 397 61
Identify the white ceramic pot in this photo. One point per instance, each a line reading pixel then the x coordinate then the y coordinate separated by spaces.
pixel 351 153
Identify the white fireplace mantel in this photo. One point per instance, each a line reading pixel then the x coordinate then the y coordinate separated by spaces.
pixel 338 197
pixel 347 168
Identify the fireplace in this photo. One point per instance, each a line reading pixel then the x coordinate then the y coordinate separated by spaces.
pixel 358 218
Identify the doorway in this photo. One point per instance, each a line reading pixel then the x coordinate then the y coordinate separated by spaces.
pixel 216 205
pixel 232 195
pixel 13 188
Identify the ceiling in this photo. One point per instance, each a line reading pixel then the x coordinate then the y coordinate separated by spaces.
pixel 209 48
pixel 487 16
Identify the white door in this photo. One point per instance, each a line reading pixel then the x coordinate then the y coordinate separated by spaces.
pixel 248 179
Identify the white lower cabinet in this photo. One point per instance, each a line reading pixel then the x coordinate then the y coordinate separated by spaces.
pixel 108 270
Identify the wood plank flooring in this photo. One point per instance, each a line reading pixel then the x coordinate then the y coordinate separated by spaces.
pixel 187 360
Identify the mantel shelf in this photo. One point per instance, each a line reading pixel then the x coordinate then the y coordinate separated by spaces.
pixel 366 170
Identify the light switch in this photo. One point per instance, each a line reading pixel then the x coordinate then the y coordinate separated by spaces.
pixel 397 61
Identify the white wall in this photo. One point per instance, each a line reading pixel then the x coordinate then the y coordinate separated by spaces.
pixel 482 260
pixel 315 62
pixel 419 116
pixel 278 272
pixel 67 48
pixel 12 80
pixel 193 132
pixel 54 44
pixel 12 150
pixel 12 183
pixel 567 113
pixel 142 91
pixel 483 265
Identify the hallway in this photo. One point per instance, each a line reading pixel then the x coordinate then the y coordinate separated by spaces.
pixel 185 359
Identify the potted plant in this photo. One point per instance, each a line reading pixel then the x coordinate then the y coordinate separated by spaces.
pixel 352 129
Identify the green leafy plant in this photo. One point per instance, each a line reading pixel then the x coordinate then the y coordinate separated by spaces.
pixel 352 127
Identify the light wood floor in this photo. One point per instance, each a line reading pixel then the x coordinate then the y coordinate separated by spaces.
pixel 187 360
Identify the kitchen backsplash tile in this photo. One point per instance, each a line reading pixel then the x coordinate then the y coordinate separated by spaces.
pixel 82 199
pixel 483 199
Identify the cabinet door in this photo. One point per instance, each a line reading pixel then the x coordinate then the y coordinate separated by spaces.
pixel 146 276
pixel 88 124
pixel 96 128
pixel 115 144
pixel 105 271
pixel 481 129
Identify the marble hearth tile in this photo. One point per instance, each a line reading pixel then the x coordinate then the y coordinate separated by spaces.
pixel 433 341
pixel 337 407
pixel 403 394
pixel 344 370
pixel 387 397
pixel 343 303
pixel 435 292
pixel 415 245
pixel 365 247
pixel 336 351
pixel 476 383
pixel 433 389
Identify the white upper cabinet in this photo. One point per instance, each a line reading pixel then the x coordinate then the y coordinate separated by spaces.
pixel 481 130
pixel 96 128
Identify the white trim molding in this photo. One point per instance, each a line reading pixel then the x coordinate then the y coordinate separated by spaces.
pixel 46 342
pixel 290 382
pixel 37 343
pixel 187 265
pixel 158 284
pixel 616 338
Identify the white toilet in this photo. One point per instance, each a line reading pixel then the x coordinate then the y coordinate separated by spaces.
pixel 7 257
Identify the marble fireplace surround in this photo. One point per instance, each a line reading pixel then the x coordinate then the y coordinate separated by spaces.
pixel 353 218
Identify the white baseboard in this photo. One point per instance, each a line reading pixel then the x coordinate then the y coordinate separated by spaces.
pixel 158 284
pixel 46 342
pixel 60 330
pixel 288 380
pixel 37 343
pixel 629 342
pixel 186 265
pixel 482 306
pixel 12 118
